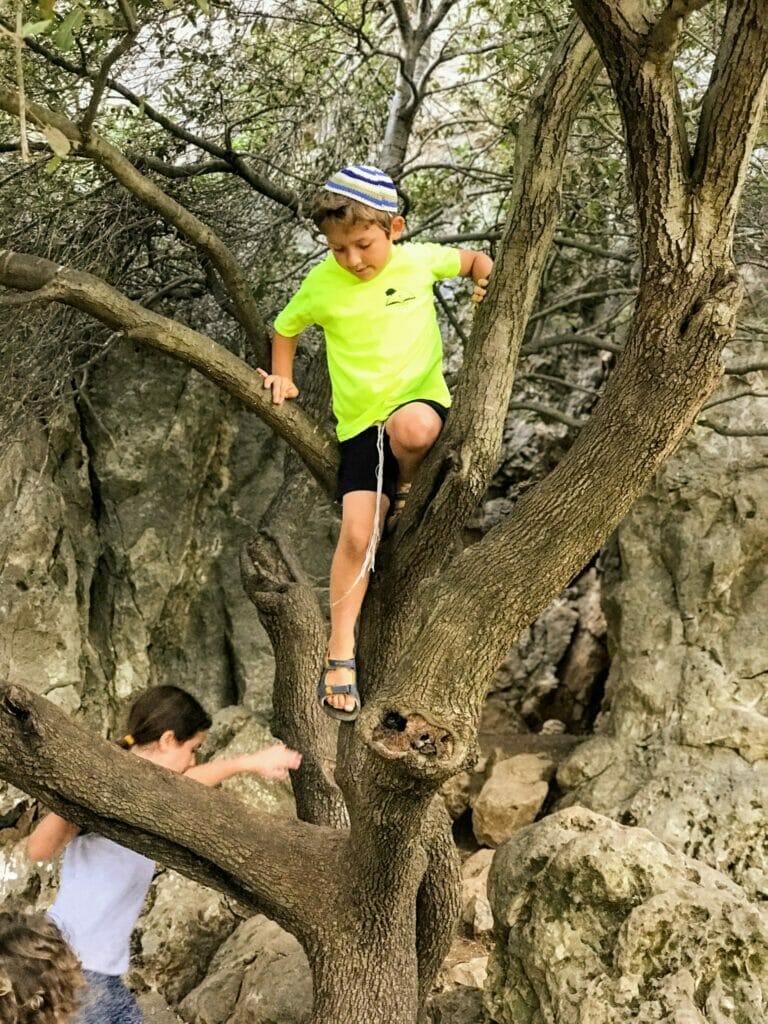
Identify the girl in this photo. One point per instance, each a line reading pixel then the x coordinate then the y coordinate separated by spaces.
pixel 40 976
pixel 103 885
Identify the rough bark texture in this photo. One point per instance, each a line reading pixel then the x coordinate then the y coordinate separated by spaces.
pixel 431 636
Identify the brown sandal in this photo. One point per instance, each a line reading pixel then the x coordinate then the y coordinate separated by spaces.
pixel 397 506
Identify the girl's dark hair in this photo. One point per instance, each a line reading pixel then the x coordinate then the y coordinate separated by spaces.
pixel 163 708
pixel 40 976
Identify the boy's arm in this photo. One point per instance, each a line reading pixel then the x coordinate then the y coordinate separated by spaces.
pixel 270 763
pixel 280 381
pixel 478 266
pixel 50 837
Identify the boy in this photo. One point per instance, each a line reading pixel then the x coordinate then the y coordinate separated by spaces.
pixel 374 302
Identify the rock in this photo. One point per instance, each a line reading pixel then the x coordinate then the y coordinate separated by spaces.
pixel 48 547
pixel 475 908
pixel 557 668
pixel 177 937
pixel 459 1006
pixel 471 974
pixel 683 736
pixel 260 975
pixel 512 797
pixel 155 1010
pixel 599 923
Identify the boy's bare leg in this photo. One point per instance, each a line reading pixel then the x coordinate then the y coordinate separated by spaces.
pixel 413 430
pixel 346 590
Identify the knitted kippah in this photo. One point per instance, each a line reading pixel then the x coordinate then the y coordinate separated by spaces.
pixel 368 185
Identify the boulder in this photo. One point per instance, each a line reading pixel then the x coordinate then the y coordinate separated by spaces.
pixel 682 744
pixel 511 798
pixel 475 908
pixel 598 923
pixel 260 975
pixel 176 938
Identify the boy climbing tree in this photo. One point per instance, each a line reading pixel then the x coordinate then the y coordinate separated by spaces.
pixel 374 302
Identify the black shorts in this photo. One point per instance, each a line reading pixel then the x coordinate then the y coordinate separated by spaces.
pixel 359 458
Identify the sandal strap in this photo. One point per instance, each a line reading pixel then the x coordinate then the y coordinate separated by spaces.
pixel 349 689
pixel 341 663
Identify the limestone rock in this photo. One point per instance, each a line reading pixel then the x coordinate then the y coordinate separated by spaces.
pixel 47 551
pixel 683 736
pixel 511 798
pixel 602 924
pixel 475 908
pixel 155 1010
pixel 470 974
pixel 458 1006
pixel 260 975
pixel 177 937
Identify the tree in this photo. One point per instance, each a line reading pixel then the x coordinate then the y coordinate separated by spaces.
pixel 374 901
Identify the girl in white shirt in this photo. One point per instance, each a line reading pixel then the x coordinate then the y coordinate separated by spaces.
pixel 103 884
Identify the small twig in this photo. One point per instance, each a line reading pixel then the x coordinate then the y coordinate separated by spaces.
pixel 20 82
pixel 738 371
pixel 550 413
pixel 732 398
pixel 114 55
pixel 731 431
pixel 446 308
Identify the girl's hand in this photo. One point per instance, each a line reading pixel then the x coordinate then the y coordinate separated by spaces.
pixel 281 387
pixel 272 762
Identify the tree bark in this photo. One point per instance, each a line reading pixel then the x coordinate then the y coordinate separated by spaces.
pixel 374 905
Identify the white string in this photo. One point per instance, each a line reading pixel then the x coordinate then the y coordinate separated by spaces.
pixel 369 561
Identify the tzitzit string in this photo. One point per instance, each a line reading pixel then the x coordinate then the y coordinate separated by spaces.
pixel 369 561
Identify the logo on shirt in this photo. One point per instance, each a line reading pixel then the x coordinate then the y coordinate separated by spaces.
pixel 396 297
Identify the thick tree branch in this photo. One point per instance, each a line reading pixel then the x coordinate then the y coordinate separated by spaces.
pixel 664 37
pixel 203 237
pixel 456 474
pixel 93 296
pixel 670 365
pixel 210 836
pixel 654 130
pixel 732 112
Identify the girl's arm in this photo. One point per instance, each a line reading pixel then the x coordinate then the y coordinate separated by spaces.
pixel 270 763
pixel 50 837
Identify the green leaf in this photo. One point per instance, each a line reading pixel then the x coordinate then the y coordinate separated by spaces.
pixel 64 34
pixel 53 164
pixel 204 6
pixel 57 140
pixel 34 28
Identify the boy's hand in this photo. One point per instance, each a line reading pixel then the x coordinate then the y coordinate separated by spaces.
pixel 481 287
pixel 272 762
pixel 281 387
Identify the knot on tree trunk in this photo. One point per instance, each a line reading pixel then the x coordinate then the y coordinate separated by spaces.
pixel 422 745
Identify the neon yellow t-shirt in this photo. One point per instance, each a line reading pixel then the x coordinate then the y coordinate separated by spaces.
pixel 382 339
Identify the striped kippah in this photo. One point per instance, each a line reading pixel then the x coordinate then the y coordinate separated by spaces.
pixel 368 185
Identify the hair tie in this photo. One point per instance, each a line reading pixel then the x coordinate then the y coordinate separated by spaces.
pixel 129 740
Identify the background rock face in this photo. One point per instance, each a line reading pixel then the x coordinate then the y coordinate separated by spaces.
pixel 598 923
pixel 682 747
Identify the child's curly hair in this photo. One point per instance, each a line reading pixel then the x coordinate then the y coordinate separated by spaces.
pixel 40 976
